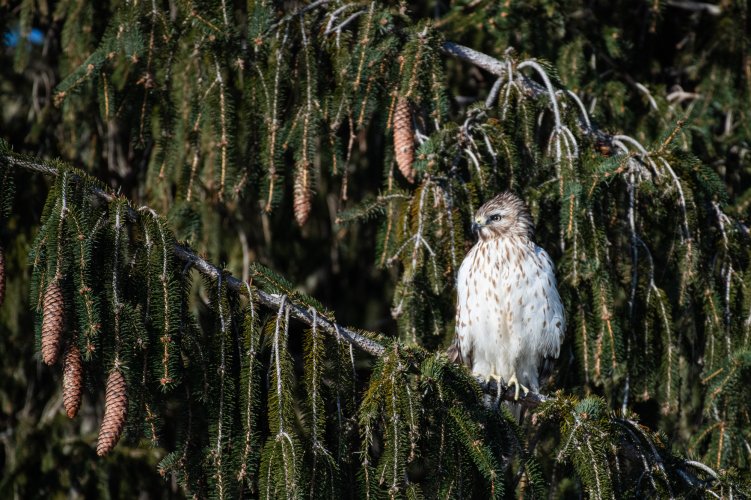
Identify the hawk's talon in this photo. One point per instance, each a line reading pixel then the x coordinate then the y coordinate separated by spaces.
pixel 514 381
pixel 498 382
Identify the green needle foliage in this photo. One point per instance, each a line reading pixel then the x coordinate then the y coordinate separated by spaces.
pixel 261 136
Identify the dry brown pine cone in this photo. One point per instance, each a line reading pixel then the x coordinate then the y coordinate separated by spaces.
pixel 52 322
pixel 302 195
pixel 115 408
pixel 72 380
pixel 404 139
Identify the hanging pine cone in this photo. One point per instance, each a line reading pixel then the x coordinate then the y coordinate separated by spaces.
pixel 72 380
pixel 52 322
pixel 115 408
pixel 404 139
pixel 302 194
pixel 2 275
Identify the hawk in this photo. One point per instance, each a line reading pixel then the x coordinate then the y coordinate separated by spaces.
pixel 509 315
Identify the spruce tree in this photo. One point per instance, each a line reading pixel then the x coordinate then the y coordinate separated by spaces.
pixel 229 184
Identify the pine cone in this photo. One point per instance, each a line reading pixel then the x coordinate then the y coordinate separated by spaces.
pixel 72 380
pixel 52 322
pixel 302 194
pixel 404 139
pixel 2 275
pixel 115 408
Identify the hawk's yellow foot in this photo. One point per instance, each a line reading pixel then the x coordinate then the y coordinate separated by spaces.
pixel 515 382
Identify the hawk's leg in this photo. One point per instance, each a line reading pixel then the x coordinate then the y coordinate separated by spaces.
pixel 514 381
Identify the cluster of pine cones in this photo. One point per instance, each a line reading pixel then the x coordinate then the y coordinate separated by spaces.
pixel 116 397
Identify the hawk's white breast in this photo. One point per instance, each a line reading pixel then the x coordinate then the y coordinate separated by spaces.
pixel 509 313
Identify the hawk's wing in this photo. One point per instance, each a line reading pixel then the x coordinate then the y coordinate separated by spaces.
pixel 462 348
pixel 554 318
pixel 551 321
pixel 454 352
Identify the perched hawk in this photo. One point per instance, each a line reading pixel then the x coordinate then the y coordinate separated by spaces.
pixel 509 316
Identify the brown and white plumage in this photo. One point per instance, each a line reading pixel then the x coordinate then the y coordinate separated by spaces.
pixel 509 315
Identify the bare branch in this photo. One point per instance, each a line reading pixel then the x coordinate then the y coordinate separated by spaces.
pixel 711 9
pixel 484 61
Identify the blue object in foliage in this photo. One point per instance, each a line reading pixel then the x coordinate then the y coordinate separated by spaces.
pixel 13 37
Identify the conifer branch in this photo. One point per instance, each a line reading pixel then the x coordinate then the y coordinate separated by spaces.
pixel 270 300
pixel 185 254
pixel 600 138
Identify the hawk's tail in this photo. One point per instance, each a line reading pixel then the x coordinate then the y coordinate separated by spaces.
pixel 516 410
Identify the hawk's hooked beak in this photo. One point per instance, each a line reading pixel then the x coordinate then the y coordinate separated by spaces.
pixel 476 226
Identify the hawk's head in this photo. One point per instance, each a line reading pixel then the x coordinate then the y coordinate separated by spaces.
pixel 504 215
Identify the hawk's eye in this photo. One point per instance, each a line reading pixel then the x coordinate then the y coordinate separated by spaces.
pixel 495 218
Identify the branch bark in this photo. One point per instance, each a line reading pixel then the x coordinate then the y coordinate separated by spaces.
pixel 274 301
